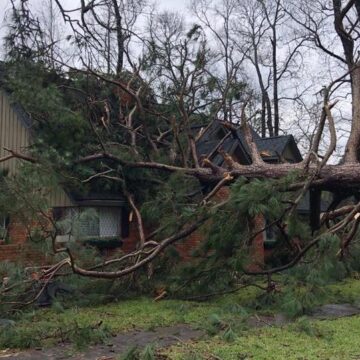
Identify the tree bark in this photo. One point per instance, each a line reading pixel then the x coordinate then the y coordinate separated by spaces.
pixel 263 118
pixel 344 175
pixel 120 38
pixel 352 147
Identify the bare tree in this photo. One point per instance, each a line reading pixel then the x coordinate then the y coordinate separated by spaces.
pixel 219 20
pixel 104 28
pixel 264 36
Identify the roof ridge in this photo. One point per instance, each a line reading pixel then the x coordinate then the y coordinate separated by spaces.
pixel 276 137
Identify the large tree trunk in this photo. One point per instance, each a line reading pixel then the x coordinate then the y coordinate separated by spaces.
pixel 269 116
pixel 348 43
pixel 263 117
pixel 119 38
pixel 352 147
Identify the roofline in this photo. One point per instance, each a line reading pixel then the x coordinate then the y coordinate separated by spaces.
pixel 290 141
pixel 107 203
pixel 18 109
pixel 242 147
pixel 275 137
pixel 294 144
pixel 206 128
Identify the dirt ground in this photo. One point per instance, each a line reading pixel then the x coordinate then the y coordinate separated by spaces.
pixel 118 345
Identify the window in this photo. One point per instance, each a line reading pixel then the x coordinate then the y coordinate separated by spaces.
pixel 109 221
pixel 220 134
pixel 272 234
pixel 3 227
pixel 240 157
pixel 89 222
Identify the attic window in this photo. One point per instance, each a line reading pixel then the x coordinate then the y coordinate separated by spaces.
pixel 220 134
pixel 240 157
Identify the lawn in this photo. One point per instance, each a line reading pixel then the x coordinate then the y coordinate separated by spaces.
pixel 223 320
pixel 302 340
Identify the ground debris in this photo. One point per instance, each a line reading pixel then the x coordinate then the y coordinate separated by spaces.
pixel 160 337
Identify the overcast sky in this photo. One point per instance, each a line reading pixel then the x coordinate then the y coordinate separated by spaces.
pixel 163 4
pixel 315 78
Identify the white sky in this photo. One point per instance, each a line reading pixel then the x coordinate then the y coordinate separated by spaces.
pixel 182 7
pixel 179 5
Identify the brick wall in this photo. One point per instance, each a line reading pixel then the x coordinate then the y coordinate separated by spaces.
pixel 185 247
pixel 130 243
pixel 18 232
pixel 222 193
pixel 18 249
pixel 257 250
pixel 188 246
pixel 21 253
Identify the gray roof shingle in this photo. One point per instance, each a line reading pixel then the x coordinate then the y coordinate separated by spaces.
pixel 218 135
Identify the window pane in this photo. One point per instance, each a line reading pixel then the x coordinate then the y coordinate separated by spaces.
pixel 79 222
pixel 3 227
pixel 110 220
pixel 89 222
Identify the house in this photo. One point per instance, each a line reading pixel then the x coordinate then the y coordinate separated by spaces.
pixel 219 137
pixel 105 216
pixel 109 220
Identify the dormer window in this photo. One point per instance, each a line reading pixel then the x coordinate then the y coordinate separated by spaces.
pixel 220 133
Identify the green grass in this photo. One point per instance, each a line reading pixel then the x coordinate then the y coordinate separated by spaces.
pixel 225 314
pixel 304 339
pixel 337 339
pixel 126 315
pixel 345 291
pixel 45 327
pixel 48 326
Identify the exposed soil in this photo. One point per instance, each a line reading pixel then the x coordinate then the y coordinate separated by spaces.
pixel 120 344
pixel 162 337
pixel 324 312
pixel 333 311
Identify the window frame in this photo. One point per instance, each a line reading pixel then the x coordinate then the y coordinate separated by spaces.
pixel 4 226
pixel 101 212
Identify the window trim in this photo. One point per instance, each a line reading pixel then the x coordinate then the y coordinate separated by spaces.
pixel 4 226
pixel 120 227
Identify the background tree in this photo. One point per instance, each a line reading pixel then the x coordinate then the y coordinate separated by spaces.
pixel 315 18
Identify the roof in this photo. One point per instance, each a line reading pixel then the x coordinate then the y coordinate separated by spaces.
pixel 89 199
pixel 277 145
pixel 98 199
pixel 19 110
pixel 219 135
